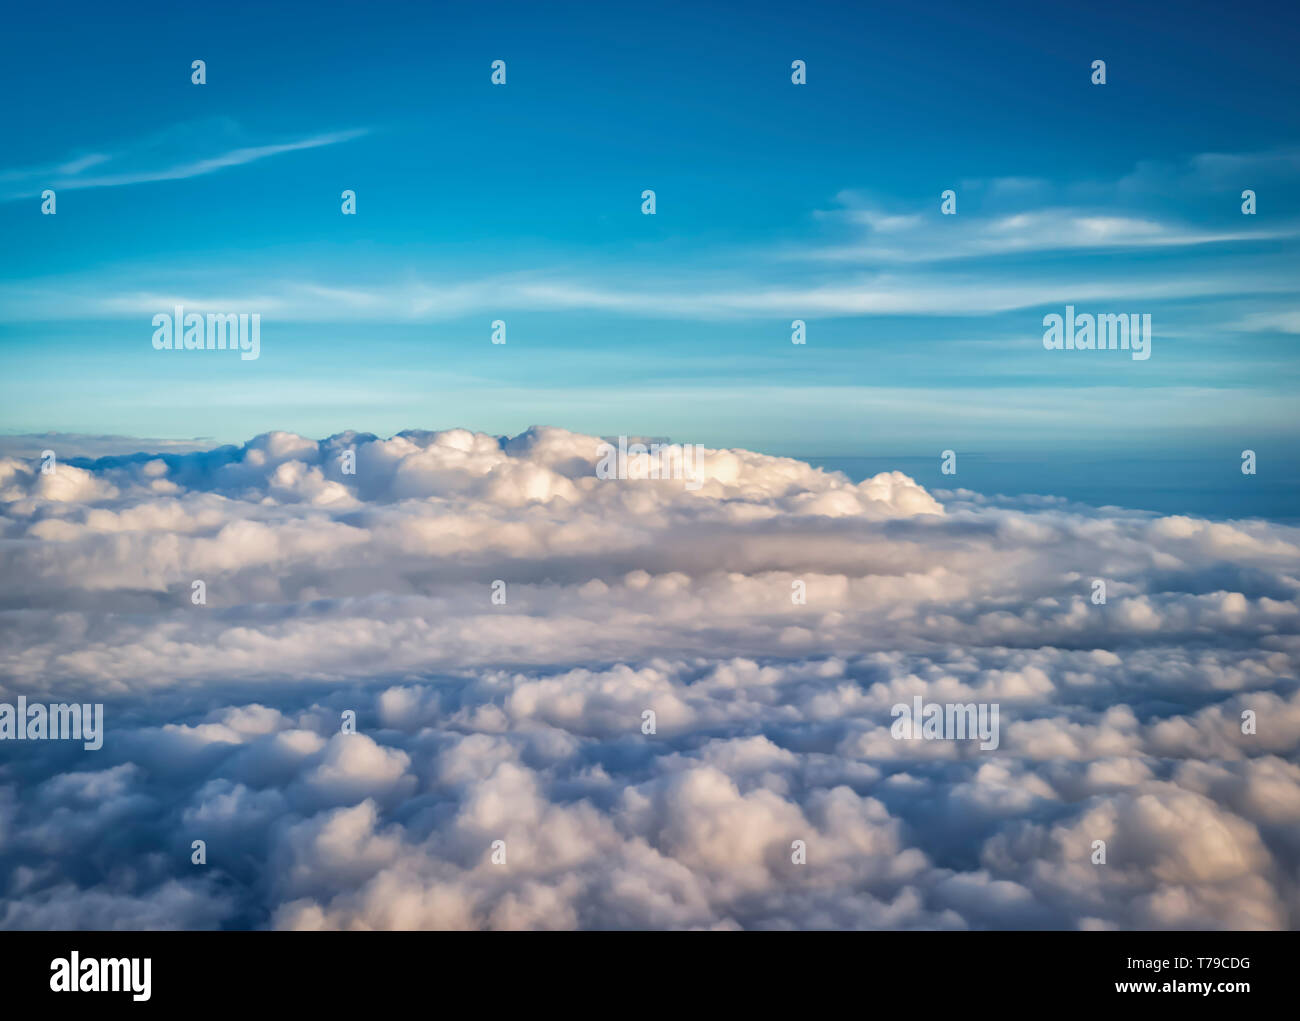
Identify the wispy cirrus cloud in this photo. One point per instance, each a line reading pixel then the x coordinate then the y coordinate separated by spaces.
pixel 922 237
pixel 1206 173
pixel 180 152
pixel 1009 216
pixel 1283 321
pixel 870 258
pixel 434 296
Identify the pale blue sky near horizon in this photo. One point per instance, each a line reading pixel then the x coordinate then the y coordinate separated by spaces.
pixel 776 202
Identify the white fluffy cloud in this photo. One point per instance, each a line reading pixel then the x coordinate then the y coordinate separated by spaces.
pixel 522 722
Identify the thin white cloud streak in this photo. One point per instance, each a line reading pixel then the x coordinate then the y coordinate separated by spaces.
pixel 1023 215
pixel 68 175
pixel 749 289
pixel 919 238
pixel 1287 321
pixel 893 294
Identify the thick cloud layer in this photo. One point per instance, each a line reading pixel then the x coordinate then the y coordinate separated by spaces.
pixel 521 721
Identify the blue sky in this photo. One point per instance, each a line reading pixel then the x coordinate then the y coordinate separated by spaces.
pixel 775 202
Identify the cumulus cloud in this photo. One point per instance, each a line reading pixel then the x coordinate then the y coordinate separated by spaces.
pixel 520 718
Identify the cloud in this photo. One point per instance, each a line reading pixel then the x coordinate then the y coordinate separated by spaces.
pixel 522 721
pixel 901 292
pixel 893 238
pixel 866 258
pixel 82 445
pixel 1018 216
pixel 180 152
pixel 1279 322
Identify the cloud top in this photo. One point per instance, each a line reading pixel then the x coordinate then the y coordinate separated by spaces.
pixel 770 619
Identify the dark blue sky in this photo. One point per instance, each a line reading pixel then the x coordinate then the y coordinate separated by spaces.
pixel 776 202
